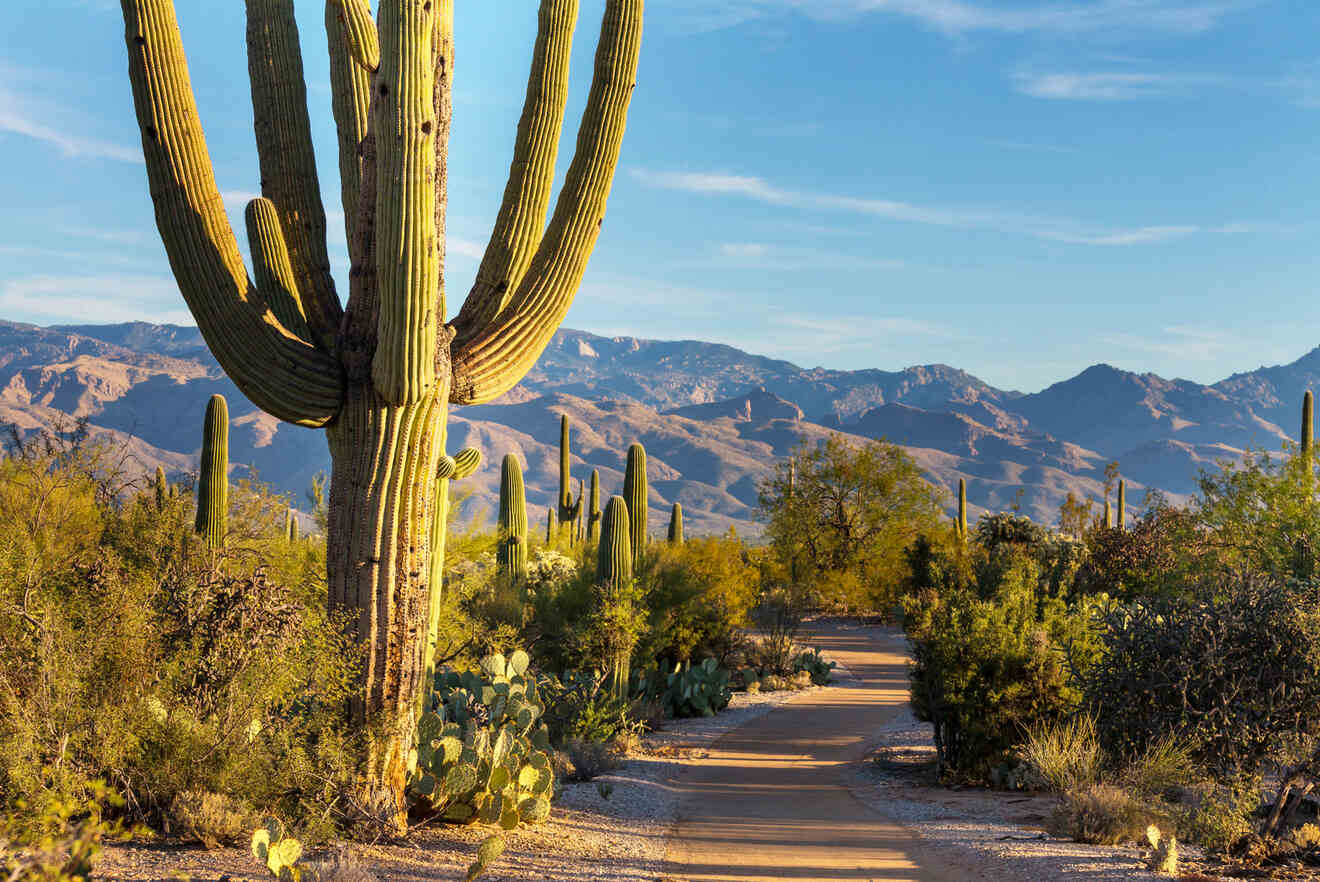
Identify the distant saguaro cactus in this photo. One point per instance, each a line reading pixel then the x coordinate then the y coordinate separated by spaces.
pixel 962 509
pixel 1122 504
pixel 213 477
pixel 511 553
pixel 614 558
pixel 380 374
pixel 1109 515
pixel 594 512
pixel 161 487
pixel 290 526
pixel 635 495
pixel 1308 423
pixel 568 506
pixel 676 524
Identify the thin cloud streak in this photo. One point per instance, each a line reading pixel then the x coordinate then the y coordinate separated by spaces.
pixel 19 119
pixel 959 17
pixel 1051 229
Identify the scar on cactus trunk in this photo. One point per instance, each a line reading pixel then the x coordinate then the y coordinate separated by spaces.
pixel 380 373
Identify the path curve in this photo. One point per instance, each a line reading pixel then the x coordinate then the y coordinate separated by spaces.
pixel 771 803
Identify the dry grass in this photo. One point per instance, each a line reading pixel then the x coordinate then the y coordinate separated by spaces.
pixel 1066 755
pixel 1101 814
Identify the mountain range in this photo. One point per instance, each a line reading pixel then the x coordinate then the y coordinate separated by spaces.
pixel 714 419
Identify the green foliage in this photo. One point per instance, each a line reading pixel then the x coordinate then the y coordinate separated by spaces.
pixel 61 838
pixel 1165 552
pixel 1236 675
pixel 989 661
pixel 582 706
pixel 482 750
pixel 843 526
pixel 212 819
pixel 1219 813
pixel 130 651
pixel 690 690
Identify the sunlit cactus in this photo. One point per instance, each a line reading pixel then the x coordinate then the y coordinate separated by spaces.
pixel 161 487
pixel 213 476
pixel 568 506
pixel 676 524
pixel 1122 504
pixel 290 526
pixel 511 553
pixel 380 372
pixel 635 495
pixel 614 558
pixel 1109 515
pixel 594 512
pixel 962 508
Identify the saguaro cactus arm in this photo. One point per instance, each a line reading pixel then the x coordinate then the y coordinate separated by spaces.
pixel 272 266
pixel 288 161
pixel 288 376
pixel 354 56
pixel 521 220
pixel 491 358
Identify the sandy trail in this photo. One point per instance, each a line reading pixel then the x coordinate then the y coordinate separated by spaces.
pixel 771 802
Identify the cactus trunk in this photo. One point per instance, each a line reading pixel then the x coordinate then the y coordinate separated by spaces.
pixel 614 570
pixel 512 552
pixel 213 477
pixel 635 496
pixel 380 373
pixel 1308 423
pixel 1122 505
pixel 568 506
pixel 162 488
pixel 676 524
pixel 1109 515
pixel 594 514
pixel 962 509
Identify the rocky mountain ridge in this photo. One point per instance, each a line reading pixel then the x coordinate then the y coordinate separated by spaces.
pixel 714 419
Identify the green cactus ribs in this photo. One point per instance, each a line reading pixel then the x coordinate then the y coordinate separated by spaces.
pixel 676 524
pixel 635 496
pixel 213 477
pixel 511 553
pixel 569 508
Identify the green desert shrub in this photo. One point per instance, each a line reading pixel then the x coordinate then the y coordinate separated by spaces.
pixel 814 665
pixel 700 690
pixel 991 661
pixel 581 706
pixel 1217 814
pixel 131 653
pixel 1234 675
pixel 212 819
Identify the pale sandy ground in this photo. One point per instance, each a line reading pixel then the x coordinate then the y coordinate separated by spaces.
pixel 779 787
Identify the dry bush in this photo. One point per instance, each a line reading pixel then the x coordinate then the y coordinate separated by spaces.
pixel 212 819
pixel 589 759
pixel 1101 814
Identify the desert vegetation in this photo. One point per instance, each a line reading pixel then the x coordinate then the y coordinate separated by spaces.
pixel 1161 671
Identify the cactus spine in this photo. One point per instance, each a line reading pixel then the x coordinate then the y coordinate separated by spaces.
pixel 1122 504
pixel 213 478
pixel 568 507
pixel 635 495
pixel 962 509
pixel 511 555
pixel 162 488
pixel 676 524
pixel 381 372
pixel 594 515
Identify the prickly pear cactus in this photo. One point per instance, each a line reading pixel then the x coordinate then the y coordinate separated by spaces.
pixel 483 754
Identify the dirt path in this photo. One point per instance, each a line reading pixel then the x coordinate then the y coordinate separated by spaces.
pixel 771 801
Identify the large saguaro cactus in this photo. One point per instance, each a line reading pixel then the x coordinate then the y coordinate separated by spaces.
pixel 213 475
pixel 1308 423
pixel 381 373
pixel 593 511
pixel 962 510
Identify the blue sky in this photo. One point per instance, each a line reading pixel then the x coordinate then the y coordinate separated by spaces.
pixel 1018 188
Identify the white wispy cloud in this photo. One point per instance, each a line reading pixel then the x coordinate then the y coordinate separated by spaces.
pixel 1112 86
pixel 1186 343
pixel 743 250
pixel 22 116
pixel 43 299
pixel 963 16
pixel 463 247
pixel 997 219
